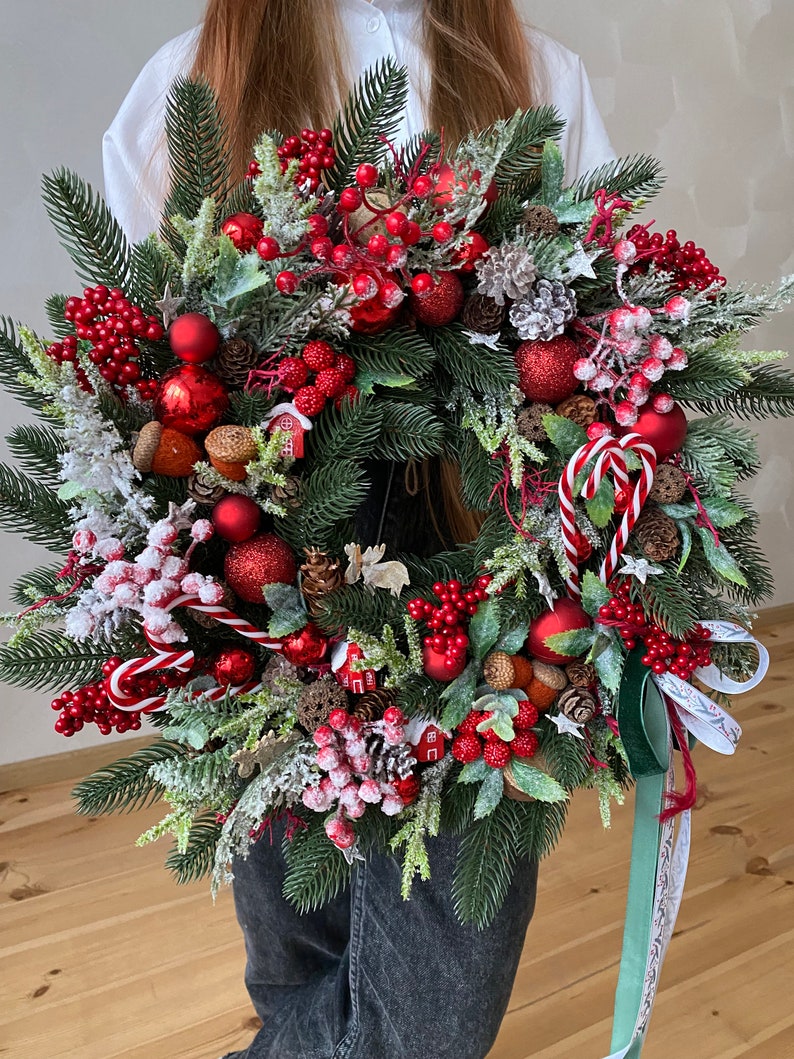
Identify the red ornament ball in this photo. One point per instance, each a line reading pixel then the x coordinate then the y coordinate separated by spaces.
pixel 666 431
pixel 306 647
pixel 236 517
pixel 233 666
pixel 565 616
pixel 407 788
pixel 261 560
pixel 545 369
pixel 244 230
pixel 190 399
pixel 194 338
pixel 441 304
pixel 441 666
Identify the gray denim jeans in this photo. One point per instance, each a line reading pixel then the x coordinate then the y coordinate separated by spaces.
pixel 371 976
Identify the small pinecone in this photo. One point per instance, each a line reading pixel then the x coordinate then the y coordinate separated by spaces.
pixel 658 534
pixel 551 676
pixel 372 705
pixel 506 271
pixel 540 220
pixel 276 670
pixel 578 704
pixel 235 359
pixel 545 314
pixel 288 494
pixel 206 621
pixel 579 408
pixel 321 576
pixel 529 421
pixel 388 762
pixel 202 492
pixel 498 671
pixel 669 485
pixel 580 674
pixel 317 700
pixel 482 315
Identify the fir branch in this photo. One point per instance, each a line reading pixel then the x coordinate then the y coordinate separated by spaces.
pixel 54 307
pixel 358 607
pixel 124 785
pixel 539 829
pixel 567 758
pixel 668 602
pixel 33 510
pixel 329 499
pixel 316 870
pixel 52 660
pixel 408 432
pixel 484 870
pixel 14 362
pixel 197 859
pixel 504 216
pixel 38 448
pixel 248 408
pixel 635 177
pixel 480 473
pixel 521 159
pixel 770 392
pixel 426 145
pixel 87 229
pixel 398 352
pixel 151 268
pixel 37 584
pixel 477 368
pixel 351 432
pixel 370 117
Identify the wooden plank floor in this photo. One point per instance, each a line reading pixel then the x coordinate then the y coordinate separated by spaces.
pixel 103 956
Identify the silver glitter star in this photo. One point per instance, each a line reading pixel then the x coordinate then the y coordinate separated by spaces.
pixel 579 264
pixel 168 306
pixel 639 568
pixel 565 726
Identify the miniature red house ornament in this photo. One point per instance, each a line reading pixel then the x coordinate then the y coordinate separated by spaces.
pixel 287 418
pixel 427 739
pixel 356 680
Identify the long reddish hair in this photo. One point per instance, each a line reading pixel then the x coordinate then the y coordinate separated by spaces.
pixel 279 64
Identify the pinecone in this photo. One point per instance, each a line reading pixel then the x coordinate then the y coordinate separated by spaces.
pixel 506 271
pixel 202 492
pixel 206 621
pixel 669 484
pixel 498 671
pixel 540 220
pixel 578 704
pixel 657 533
pixel 321 575
pixel 482 315
pixel 235 359
pixel 372 705
pixel 529 421
pixel 580 674
pixel 276 670
pixel 287 494
pixel 317 700
pixel 545 314
pixel 388 762
pixel 579 408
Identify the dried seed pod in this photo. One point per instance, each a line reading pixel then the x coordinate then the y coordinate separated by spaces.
pixel 318 700
pixel 529 421
pixel 579 408
pixel 657 534
pixel 669 484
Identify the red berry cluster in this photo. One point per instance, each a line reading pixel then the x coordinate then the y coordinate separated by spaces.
pixel 65 352
pixel 663 653
pixel 689 264
pixel 91 705
pixel 469 744
pixel 333 377
pixel 316 154
pixel 111 323
pixel 448 623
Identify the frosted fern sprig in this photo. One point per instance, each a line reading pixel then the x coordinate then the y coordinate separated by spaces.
pixel 285 214
pixel 201 243
pixel 425 822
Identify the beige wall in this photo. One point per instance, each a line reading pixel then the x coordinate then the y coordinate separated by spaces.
pixel 708 86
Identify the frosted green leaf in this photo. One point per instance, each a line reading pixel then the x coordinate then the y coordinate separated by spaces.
pixel 459 696
pixel 474 771
pixel 720 559
pixel 565 435
pixel 490 794
pixel 512 641
pixel 537 784
pixel 595 593
pixel 686 544
pixel 289 610
pixel 602 507
pixel 484 628
pixel 609 666
pixel 576 642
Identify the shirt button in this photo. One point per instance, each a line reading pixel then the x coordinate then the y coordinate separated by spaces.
pixel 373 25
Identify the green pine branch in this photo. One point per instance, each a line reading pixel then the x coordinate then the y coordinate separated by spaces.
pixel 248 408
pixel 355 606
pixel 330 496
pixel 638 176
pixel 33 510
pixel 504 216
pixel 13 362
pixel 52 660
pixel 124 785
pixel 54 307
pixel 37 449
pixel 418 146
pixel 371 115
pixel 477 368
pixel 87 229
pixel 770 393
pixel 408 432
pixel 669 602
pixel 396 353
pixel 484 870
pixel 350 433
pixel 198 858
pixel 316 870
pixel 151 268
pixel 539 828
pixel 38 584
pixel 521 160
pixel 479 473
pixel 566 758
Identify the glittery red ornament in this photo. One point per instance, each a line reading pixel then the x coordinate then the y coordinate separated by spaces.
pixel 194 338
pixel 566 616
pixel 244 230
pixel 236 517
pixel 545 369
pixel 306 647
pixel 442 666
pixel 666 431
pixel 261 560
pixel 441 304
pixel 190 399
pixel 233 666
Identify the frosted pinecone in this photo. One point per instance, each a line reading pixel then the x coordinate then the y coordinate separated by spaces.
pixel 506 271
pixel 547 313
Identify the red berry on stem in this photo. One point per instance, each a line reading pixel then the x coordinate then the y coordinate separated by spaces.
pixel 268 248
pixel 366 175
pixel 286 282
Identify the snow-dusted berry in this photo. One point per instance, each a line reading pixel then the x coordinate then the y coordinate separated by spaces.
pixel 309 401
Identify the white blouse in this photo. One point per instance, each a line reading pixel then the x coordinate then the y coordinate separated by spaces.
pixel 133 147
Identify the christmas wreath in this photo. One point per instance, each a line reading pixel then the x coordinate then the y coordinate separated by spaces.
pixel 218 409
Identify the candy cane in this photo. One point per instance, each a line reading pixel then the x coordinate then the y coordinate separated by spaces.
pixel 609 454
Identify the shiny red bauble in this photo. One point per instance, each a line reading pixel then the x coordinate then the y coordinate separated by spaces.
pixel 190 399
pixel 470 252
pixel 233 666
pixel 545 369
pixel 566 616
pixel 666 431
pixel 194 338
pixel 261 560
pixel 450 185
pixel 441 304
pixel 244 230
pixel 307 647
pixel 372 316
pixel 442 666
pixel 236 517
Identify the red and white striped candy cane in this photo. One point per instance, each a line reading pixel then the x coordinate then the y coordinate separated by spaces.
pixel 225 617
pixel 609 454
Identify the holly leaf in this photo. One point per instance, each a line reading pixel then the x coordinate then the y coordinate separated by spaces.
pixel 474 771
pixel 595 593
pixel 537 784
pixel 245 277
pixel 602 507
pixel 513 640
pixel 194 732
pixel 552 173
pixel 720 559
pixel 368 378
pixel 575 642
pixel 679 511
pixel 723 513
pixel 288 607
pixel 568 211
pixel 609 666
pixel 490 794
pixel 484 628
pixel 686 543
pixel 459 696
pixel 565 435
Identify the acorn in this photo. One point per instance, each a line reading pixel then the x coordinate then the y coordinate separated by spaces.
pixel 165 451
pixel 229 449
pixel 546 684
